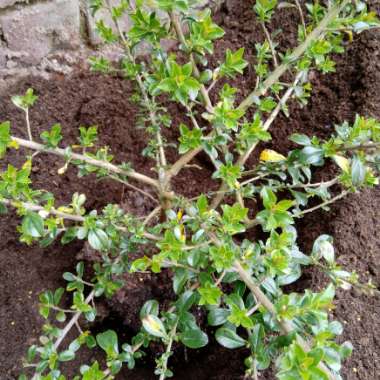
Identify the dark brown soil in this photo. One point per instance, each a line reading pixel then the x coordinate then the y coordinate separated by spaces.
pixel 87 99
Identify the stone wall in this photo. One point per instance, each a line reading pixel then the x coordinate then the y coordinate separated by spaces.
pixel 45 36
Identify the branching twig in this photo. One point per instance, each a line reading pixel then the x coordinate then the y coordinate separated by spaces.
pixel 270 42
pixel 178 29
pixel 63 215
pixel 167 352
pixel 286 326
pixel 89 160
pixel 324 204
pixel 314 35
pixel 244 156
pixel 319 31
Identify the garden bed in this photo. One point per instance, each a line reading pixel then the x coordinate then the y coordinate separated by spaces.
pixel 89 99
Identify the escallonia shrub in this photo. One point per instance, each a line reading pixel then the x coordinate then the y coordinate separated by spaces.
pixel 237 282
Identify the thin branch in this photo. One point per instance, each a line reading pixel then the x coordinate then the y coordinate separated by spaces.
pixel 212 85
pixel 63 215
pixel 38 208
pixel 368 146
pixel 268 37
pixel 324 204
pixel 154 213
pixel 301 16
pixel 168 350
pixel 178 29
pixel 92 161
pixel 72 322
pixel 29 129
pixel 179 265
pixel 135 188
pixel 254 179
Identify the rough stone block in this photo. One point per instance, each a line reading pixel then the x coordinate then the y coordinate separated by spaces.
pixel 9 3
pixel 38 29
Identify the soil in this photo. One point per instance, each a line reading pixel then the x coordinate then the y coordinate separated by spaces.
pixel 89 99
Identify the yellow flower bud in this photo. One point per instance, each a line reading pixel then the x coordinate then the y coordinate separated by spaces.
pixel 62 170
pixel 269 155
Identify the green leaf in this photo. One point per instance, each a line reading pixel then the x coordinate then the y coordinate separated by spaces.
pixel 358 171
pixel 98 239
pixel 217 316
pixel 229 339
pixel 186 301
pixel 312 155
pixel 230 174
pixel 154 326
pixel 150 307
pixel 267 104
pixel 92 373
pixel 234 63
pixel 189 139
pixel 33 225
pixel 3 209
pixel 58 295
pixel 323 247
pixel 171 5
pixel 26 101
pixel 233 218
pixel 179 280
pixel 264 9
pixel 194 338
pixel 108 342
pixel 269 197
pixel 52 138
pixel 5 137
pixel 66 356
pixel 69 276
pixel 210 294
pixel 88 136
pixel 256 339
pixel 105 32
pixel 300 139
pixel 31 354
pixel 61 316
